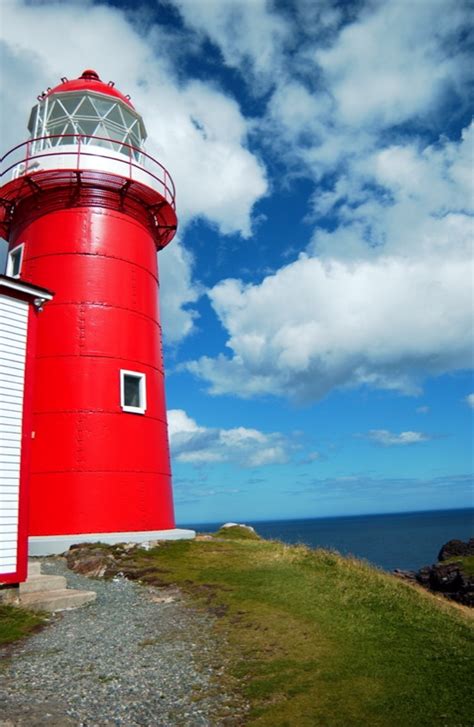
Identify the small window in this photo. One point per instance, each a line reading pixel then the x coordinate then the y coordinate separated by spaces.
pixel 133 391
pixel 14 261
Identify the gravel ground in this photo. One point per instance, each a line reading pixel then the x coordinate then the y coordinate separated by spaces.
pixel 137 656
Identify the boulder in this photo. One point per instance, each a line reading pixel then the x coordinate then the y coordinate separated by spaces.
pixel 238 525
pixel 236 531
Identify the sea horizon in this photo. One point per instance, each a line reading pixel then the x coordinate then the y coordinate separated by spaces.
pixel 406 540
pixel 326 517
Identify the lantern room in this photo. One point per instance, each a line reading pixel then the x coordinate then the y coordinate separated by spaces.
pixel 84 135
pixel 92 110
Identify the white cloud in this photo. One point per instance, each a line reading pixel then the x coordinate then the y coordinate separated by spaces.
pixel 176 290
pixel 470 400
pixel 318 325
pixel 390 65
pixel 179 422
pixel 382 300
pixel 248 34
pixel 422 410
pixel 374 300
pixel 200 135
pixel 389 439
pixel 363 69
pixel 192 443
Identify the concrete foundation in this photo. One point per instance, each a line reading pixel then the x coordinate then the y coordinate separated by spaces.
pixel 56 544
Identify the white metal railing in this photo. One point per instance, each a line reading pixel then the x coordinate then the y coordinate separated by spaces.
pixel 80 152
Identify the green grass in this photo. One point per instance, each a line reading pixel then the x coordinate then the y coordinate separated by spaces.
pixel 15 623
pixel 316 639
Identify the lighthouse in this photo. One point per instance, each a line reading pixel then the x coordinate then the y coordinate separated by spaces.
pixel 85 209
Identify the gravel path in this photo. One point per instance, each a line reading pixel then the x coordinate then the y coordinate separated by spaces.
pixel 137 656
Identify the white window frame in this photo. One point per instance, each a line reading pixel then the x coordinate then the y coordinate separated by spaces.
pixel 18 248
pixel 142 391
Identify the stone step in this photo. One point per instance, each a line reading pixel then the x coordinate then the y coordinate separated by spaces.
pixel 34 568
pixel 59 600
pixel 38 583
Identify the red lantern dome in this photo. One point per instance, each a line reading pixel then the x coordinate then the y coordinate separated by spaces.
pixel 89 81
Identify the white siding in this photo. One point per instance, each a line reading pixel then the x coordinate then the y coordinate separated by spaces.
pixel 13 332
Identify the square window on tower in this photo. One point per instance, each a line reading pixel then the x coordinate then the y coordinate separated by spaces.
pixel 133 391
pixel 14 261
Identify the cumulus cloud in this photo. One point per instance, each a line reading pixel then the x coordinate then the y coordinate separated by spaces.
pixel 382 300
pixel 318 325
pixel 195 444
pixel 341 91
pixel 381 296
pixel 176 290
pixel 369 64
pixel 390 439
pixel 470 400
pixel 200 134
pixel 257 46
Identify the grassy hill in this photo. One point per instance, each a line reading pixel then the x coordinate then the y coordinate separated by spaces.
pixel 312 639
pixel 318 639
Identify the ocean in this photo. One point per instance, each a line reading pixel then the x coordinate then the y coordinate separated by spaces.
pixel 406 540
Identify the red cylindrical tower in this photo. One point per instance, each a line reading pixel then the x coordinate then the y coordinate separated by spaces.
pixel 84 210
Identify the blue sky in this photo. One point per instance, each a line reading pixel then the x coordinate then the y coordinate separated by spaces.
pixel 317 302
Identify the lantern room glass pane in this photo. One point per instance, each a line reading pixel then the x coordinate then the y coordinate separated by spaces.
pixel 115 116
pixel 89 128
pixel 70 102
pixel 102 106
pixel 128 117
pixel 86 109
pixel 56 111
pixel 63 129
pixel 33 120
pixel 135 140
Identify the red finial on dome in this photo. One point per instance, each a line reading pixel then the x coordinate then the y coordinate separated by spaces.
pixel 90 74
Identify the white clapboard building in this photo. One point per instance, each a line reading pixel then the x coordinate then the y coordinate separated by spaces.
pixel 20 305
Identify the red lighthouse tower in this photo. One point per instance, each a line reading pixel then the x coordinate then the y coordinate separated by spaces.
pixel 85 210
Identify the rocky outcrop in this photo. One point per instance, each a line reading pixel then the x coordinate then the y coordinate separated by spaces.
pixel 450 579
pixel 456 549
pixel 452 575
pixel 96 560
